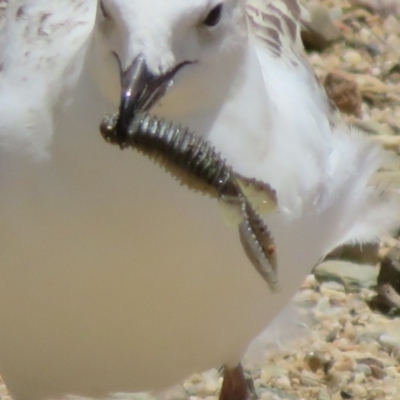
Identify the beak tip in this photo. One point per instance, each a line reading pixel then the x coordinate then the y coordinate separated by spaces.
pixel 140 89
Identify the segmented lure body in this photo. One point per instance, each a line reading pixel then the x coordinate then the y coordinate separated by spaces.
pixel 185 155
pixel 195 163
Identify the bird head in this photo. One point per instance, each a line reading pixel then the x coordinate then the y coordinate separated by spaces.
pixel 169 55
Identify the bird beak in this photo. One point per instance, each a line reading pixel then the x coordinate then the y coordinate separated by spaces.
pixel 140 90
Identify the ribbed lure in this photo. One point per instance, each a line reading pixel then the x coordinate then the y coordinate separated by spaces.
pixel 195 164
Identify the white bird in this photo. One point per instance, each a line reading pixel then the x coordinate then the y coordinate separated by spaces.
pixel 113 278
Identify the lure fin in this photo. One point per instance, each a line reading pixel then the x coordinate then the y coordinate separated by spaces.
pixel 259 246
pixel 231 210
pixel 260 194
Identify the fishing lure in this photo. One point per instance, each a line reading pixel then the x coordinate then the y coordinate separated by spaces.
pixel 195 163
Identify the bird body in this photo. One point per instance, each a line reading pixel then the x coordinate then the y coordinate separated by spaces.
pixel 113 278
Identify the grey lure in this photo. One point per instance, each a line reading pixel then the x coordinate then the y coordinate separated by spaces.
pixel 195 164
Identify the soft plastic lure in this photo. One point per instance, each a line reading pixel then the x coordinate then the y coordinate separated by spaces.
pixel 195 163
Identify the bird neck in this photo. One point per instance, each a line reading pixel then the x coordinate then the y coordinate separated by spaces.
pixel 226 104
pixel 242 128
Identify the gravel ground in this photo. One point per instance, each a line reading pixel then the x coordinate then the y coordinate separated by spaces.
pixel 343 349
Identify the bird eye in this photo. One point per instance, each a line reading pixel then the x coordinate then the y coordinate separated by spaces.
pixel 214 16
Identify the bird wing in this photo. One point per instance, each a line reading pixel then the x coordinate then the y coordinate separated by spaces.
pixel 336 176
pixel 46 37
pixel 275 27
pixel 276 23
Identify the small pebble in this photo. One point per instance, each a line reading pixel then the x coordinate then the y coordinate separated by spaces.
pixel 378 373
pixel 352 58
pixel 315 360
